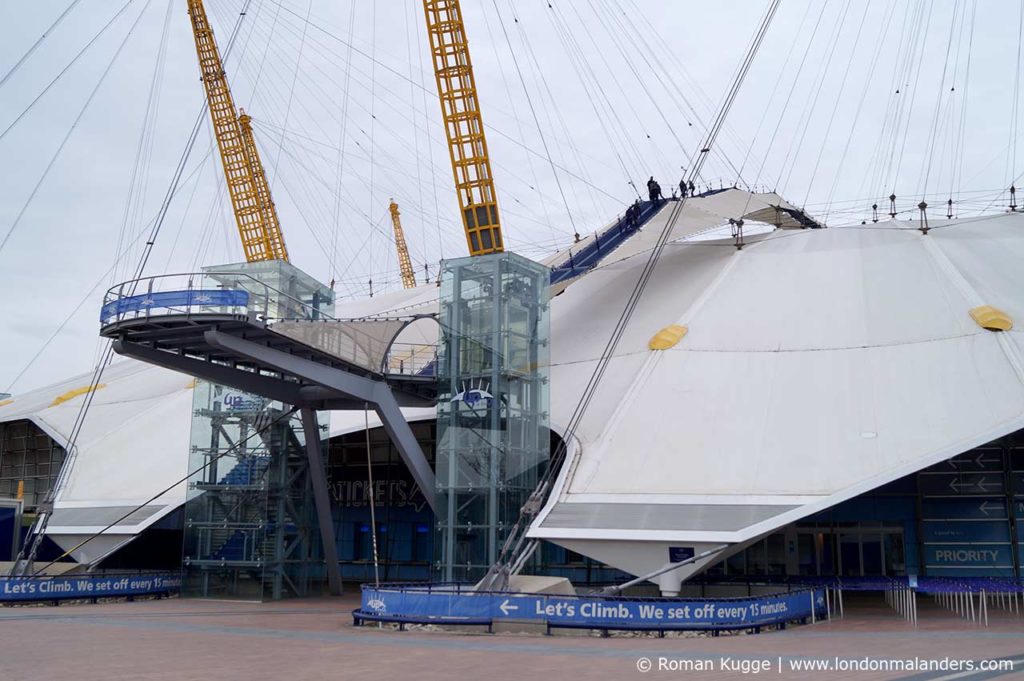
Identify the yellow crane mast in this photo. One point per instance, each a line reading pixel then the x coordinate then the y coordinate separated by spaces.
pixel 253 206
pixel 404 262
pixel 460 109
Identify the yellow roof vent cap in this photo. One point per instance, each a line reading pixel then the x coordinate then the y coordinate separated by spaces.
pixel 993 319
pixel 667 337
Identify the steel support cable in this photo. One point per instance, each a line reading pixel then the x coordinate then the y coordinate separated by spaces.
pixel 60 74
pixel 876 182
pixel 566 137
pixel 427 91
pixel 901 81
pixel 39 41
pixel 84 300
pixel 295 159
pixel 958 169
pixel 583 70
pixel 771 100
pixel 860 108
pixel 505 169
pixel 71 130
pixel 291 91
pixel 792 90
pixel 519 123
pixel 416 146
pixel 324 218
pixel 537 74
pixel 655 150
pixel 573 52
pixel 640 42
pixel 660 70
pixel 913 97
pixel 517 536
pixel 283 417
pixel 607 114
pixel 28 552
pixel 835 107
pixel 692 84
pixel 1015 106
pixel 950 117
pixel 812 102
pixel 933 134
pixel 143 151
pixel 536 120
pixel 327 97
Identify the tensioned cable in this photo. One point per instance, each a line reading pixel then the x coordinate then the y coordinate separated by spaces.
pixel 913 97
pixel 533 112
pixel 29 551
pixel 64 70
pixel 88 295
pixel 1014 108
pixel 427 91
pixel 860 108
pixel 519 124
pixel 517 536
pixel 536 71
pixel 37 43
pixel 958 167
pixel 67 136
pixel 835 107
pixel 812 102
pixel 771 98
pixel 143 151
pixel 934 128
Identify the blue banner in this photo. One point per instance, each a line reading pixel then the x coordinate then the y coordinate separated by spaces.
pixel 596 612
pixel 85 586
pixel 174 299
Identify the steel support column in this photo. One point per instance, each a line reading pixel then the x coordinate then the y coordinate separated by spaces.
pixel 321 498
pixel 348 386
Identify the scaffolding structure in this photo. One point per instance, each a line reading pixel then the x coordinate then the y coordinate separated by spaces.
pixel 30 462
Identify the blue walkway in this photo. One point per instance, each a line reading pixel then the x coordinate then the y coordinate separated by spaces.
pixel 587 257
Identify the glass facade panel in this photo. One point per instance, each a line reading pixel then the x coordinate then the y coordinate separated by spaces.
pixel 492 415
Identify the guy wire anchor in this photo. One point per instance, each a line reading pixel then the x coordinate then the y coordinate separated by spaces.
pixel 924 217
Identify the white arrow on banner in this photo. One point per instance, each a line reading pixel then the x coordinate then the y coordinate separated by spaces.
pixel 505 607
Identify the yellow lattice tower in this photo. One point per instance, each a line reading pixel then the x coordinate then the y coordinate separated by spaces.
pixel 404 262
pixel 463 126
pixel 272 226
pixel 247 183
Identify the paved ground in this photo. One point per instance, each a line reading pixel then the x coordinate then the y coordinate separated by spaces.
pixel 182 640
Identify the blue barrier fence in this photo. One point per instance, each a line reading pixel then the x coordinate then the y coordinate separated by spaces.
pixel 454 604
pixel 27 589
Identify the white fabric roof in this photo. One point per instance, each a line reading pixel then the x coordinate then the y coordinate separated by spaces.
pixel 818 364
pixel 133 444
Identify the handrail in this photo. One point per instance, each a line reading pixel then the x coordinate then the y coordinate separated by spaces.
pixel 129 289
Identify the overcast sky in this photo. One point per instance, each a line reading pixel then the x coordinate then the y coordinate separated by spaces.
pixel 581 98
